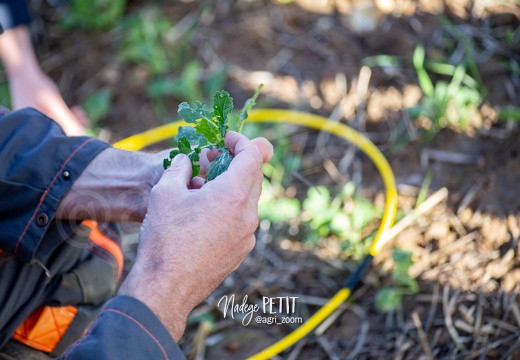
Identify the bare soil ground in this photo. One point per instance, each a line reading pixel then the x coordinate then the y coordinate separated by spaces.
pixel 310 53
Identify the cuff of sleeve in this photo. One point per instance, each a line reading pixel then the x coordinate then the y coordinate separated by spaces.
pixel 14 13
pixel 126 329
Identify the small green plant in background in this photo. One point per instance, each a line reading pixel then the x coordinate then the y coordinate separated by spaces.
pixel 445 103
pixel 97 106
pixel 287 157
pixel 146 42
pixel 390 297
pixel 509 113
pixel 94 14
pixel 5 95
pixel 275 206
pixel 193 84
pixel 345 216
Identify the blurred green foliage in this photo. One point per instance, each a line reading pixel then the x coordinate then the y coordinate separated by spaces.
pixel 192 85
pixel 146 43
pixel 96 106
pixel 94 14
pixel 445 103
pixel 5 97
pixel 390 297
pixel 321 216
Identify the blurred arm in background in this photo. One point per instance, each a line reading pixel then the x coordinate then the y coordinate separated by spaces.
pixel 29 85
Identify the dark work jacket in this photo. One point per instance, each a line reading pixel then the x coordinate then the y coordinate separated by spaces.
pixel 38 165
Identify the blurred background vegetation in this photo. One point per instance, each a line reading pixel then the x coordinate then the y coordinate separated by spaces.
pixel 435 84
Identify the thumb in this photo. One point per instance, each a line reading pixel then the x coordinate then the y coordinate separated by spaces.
pixel 178 175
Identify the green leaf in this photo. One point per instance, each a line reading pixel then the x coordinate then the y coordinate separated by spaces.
pixel 319 205
pixel 97 105
pixel 189 133
pixel 341 224
pixel 279 210
pixel 402 257
pixel 195 170
pixel 418 62
pixel 206 317
pixel 222 107
pixel 94 14
pixel 363 214
pixel 193 115
pixel 164 86
pixel 210 131
pixel 219 165
pixel 166 163
pixel 190 81
pixel 236 123
pixel 184 146
pixel 145 40
pixel 318 199
pixel 403 261
pixel 5 97
pixel 388 298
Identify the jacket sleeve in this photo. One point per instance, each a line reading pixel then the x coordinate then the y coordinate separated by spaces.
pixel 14 13
pixel 38 166
pixel 125 329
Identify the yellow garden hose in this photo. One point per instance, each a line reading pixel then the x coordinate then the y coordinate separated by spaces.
pixel 168 131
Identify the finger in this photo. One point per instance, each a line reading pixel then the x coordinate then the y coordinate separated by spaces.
pixel 265 148
pixel 178 175
pixel 236 142
pixel 206 157
pixel 248 161
pixel 212 154
pixel 196 183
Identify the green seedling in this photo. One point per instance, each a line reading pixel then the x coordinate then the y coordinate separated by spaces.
pixel 94 14
pixel 445 103
pixel 390 297
pixel 191 85
pixel 326 216
pixel 424 189
pixel 145 42
pixel 209 130
pixel 97 106
pixel 275 208
pixel 509 113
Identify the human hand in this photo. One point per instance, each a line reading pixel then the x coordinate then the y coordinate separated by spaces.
pixel 37 90
pixel 192 239
pixel 29 85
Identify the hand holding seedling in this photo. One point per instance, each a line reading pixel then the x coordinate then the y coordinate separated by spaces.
pixel 192 239
pixel 209 132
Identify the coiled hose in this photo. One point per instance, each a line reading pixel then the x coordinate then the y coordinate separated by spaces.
pixel 139 141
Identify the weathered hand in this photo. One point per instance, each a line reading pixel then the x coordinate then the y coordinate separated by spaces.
pixel 192 239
